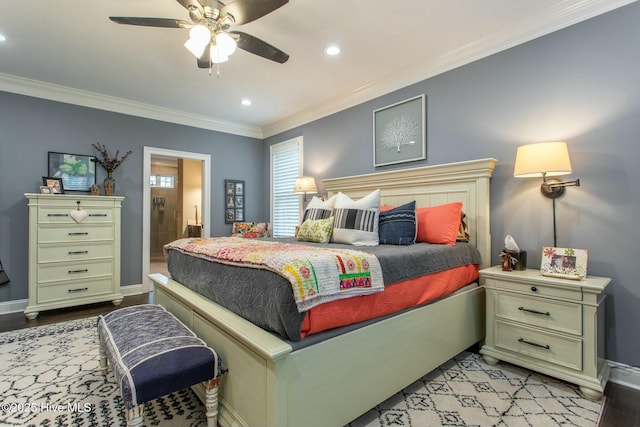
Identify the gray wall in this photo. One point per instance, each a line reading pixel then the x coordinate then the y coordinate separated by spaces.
pixel 579 85
pixel 31 127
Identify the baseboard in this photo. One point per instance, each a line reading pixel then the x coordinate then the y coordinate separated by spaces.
pixel 14 306
pixel 625 375
pixel 17 306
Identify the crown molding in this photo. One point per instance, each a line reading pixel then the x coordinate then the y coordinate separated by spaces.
pixel 560 16
pixel 52 92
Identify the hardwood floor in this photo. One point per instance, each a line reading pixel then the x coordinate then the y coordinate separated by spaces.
pixel 621 407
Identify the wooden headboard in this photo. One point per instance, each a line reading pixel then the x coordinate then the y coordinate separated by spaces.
pixel 466 182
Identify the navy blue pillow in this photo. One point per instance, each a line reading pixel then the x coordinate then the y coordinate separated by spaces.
pixel 398 225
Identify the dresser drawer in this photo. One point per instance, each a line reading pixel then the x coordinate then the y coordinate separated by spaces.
pixel 74 233
pixel 62 215
pixel 561 350
pixel 70 291
pixel 48 273
pixel 74 252
pixel 552 314
pixel 533 288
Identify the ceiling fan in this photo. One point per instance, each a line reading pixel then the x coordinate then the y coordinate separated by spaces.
pixel 211 39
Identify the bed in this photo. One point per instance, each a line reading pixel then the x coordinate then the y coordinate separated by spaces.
pixel 330 383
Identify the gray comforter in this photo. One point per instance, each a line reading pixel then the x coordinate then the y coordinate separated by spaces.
pixel 266 299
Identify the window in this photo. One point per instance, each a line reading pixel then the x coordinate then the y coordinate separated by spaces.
pixel 162 181
pixel 286 165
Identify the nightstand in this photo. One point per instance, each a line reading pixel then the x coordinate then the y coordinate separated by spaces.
pixel 550 325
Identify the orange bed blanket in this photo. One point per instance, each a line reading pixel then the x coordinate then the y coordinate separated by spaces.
pixel 395 297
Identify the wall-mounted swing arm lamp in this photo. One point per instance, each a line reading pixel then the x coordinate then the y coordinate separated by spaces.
pixel 546 159
pixel 304 185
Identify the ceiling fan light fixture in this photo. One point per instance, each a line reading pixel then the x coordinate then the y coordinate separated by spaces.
pixel 197 49
pixel 200 34
pixel 226 43
pixel 217 55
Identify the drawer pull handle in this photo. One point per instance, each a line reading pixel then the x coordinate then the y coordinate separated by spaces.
pixel 547 347
pixel 78 290
pixel 84 270
pixel 97 214
pixel 528 310
pixel 79 234
pixel 78 252
pixel 534 289
pixel 57 214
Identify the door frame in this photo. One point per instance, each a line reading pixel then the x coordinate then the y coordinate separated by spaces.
pixel 146 201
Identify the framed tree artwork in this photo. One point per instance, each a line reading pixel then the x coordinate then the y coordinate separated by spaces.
pixel 233 201
pixel 399 132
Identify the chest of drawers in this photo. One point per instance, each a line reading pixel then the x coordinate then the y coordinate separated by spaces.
pixel 550 325
pixel 74 251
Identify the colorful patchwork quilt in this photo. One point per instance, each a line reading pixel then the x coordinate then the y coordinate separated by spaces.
pixel 317 275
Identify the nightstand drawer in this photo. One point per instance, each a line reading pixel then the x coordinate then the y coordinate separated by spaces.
pixel 556 315
pixel 533 288
pixel 561 350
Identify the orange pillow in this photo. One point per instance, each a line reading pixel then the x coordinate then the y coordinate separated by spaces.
pixel 439 224
pixel 384 208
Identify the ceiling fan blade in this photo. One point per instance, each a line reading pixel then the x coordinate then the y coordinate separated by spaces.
pixel 261 48
pixel 245 11
pixel 205 60
pixel 190 4
pixel 151 22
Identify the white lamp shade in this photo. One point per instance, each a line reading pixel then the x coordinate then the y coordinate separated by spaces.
pixel 550 158
pixel 200 34
pixel 305 184
pixel 217 55
pixel 196 48
pixel 226 42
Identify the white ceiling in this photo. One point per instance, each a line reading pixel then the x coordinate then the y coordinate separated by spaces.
pixel 69 50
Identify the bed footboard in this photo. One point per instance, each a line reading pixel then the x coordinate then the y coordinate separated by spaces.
pixel 331 382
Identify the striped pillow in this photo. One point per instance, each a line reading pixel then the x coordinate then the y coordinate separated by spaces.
pixel 319 209
pixel 356 222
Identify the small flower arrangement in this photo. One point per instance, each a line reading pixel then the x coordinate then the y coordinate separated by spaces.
pixel 107 162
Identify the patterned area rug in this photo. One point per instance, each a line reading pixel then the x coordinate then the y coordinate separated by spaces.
pixel 49 377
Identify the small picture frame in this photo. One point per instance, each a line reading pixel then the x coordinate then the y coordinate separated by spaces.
pixel 233 200
pixel 566 263
pixel 57 187
pixel 44 189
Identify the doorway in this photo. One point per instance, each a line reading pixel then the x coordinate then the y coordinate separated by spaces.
pixel 175 203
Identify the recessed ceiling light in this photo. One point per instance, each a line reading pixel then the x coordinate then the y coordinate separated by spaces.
pixel 246 102
pixel 2 38
pixel 332 50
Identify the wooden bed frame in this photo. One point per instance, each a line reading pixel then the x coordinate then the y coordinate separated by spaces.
pixel 334 381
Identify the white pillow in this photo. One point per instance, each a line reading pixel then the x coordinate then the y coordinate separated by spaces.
pixel 319 209
pixel 356 222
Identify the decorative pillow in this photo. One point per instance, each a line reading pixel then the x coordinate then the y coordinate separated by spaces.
pixel 397 226
pixel 356 222
pixel 318 208
pixel 316 230
pixel 251 229
pixel 439 224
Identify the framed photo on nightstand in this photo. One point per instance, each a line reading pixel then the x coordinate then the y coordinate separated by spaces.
pixel 567 263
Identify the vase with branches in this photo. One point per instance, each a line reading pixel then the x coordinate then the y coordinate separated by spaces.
pixel 109 164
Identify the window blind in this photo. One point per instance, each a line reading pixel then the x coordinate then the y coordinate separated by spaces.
pixel 286 165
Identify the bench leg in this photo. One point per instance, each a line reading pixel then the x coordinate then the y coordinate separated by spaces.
pixel 211 402
pixel 135 416
pixel 103 358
